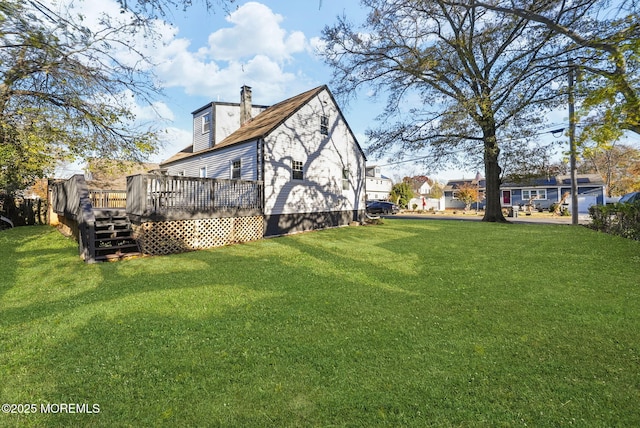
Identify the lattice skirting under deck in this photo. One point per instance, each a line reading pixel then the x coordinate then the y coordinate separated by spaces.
pixel 168 237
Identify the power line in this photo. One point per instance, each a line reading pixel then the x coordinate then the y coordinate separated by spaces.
pixel 552 132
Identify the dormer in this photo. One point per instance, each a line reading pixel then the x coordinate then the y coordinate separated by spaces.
pixel 214 122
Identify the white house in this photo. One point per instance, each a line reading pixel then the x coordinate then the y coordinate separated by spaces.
pixel 421 200
pixel 302 148
pixel 378 186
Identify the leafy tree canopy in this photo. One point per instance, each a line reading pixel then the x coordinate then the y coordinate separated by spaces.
pixel 618 164
pixel 69 87
pixel 602 40
pixel 401 193
pixel 468 194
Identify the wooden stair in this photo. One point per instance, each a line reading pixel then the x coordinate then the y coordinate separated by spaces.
pixel 114 236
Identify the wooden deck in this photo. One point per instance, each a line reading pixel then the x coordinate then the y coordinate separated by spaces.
pixel 153 197
pixel 161 204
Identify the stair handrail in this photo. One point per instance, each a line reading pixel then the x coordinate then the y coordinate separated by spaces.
pixel 72 200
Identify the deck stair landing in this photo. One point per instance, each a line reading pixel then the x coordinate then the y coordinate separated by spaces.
pixel 114 236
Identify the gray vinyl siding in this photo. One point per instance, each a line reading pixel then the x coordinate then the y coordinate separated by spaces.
pixel 202 141
pixel 225 120
pixel 218 163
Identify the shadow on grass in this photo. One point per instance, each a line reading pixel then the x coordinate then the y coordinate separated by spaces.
pixel 337 327
pixel 30 245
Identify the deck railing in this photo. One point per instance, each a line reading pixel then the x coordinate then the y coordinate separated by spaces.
pixel 108 198
pixel 175 197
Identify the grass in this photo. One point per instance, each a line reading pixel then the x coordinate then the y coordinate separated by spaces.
pixel 411 323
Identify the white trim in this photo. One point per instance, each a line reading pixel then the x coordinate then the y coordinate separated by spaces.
pixel 206 123
pixel 537 190
pixel 232 169
pixel 502 202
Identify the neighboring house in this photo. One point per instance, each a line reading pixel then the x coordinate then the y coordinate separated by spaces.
pixel 302 148
pixel 378 186
pixel 542 192
pixel 421 199
pixel 539 192
pixel 452 187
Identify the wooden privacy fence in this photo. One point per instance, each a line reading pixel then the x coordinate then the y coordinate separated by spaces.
pixel 154 197
pixel 23 211
pixel 108 198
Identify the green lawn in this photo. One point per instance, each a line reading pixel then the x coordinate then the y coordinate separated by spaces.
pixel 410 323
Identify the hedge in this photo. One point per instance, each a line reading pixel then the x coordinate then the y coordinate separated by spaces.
pixel 617 219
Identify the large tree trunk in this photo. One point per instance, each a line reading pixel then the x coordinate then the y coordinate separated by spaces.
pixel 493 208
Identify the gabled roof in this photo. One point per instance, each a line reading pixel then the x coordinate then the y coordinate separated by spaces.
pixel 270 119
pixel 456 184
pixel 555 181
pixel 184 153
pixel 261 125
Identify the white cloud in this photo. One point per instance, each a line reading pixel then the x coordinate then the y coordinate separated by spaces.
pixel 256 30
pixel 252 48
pixel 255 50
pixel 158 110
pixel 172 140
pixel 317 45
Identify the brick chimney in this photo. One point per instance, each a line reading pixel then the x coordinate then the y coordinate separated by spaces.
pixel 245 104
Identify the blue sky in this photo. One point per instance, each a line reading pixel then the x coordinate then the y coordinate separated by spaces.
pixel 270 45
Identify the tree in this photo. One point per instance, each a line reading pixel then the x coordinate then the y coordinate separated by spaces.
pixel 401 194
pixel 618 164
pixel 68 87
pixel 416 182
pixel 160 8
pixel 437 190
pixel 477 75
pixel 603 38
pixel 468 194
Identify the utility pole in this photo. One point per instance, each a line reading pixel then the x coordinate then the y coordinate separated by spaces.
pixel 573 147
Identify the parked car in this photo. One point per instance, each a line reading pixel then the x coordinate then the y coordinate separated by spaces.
pixel 630 198
pixel 382 207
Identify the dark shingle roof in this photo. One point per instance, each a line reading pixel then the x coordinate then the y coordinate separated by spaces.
pixel 258 127
pixel 560 180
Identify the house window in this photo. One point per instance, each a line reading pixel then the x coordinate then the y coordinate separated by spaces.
pixel 345 178
pixel 297 171
pixel 206 123
pixel 534 194
pixel 324 124
pixel 203 172
pixel 235 169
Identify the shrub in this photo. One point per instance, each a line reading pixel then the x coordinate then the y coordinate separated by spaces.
pixel 617 219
